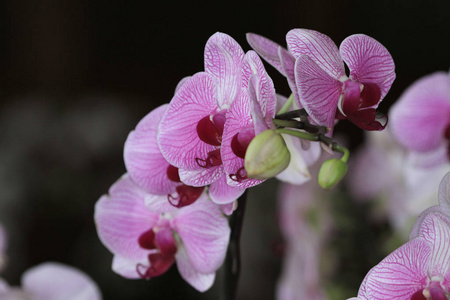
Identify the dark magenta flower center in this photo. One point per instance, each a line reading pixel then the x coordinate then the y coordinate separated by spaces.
pixel 357 105
pixel 161 260
pixel 210 129
pixel 186 194
pixel 213 159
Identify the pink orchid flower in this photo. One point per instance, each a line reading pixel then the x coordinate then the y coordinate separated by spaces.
pixel 146 243
pixel 52 281
pixel 321 85
pixel 149 169
pixel 420 269
pixel 190 133
pixel 421 119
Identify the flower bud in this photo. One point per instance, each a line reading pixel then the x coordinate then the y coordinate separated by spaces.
pixel 267 155
pixel 331 172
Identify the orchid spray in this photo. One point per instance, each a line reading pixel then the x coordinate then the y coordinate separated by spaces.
pixel 189 162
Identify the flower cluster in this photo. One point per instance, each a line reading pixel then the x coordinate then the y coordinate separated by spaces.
pixel 226 130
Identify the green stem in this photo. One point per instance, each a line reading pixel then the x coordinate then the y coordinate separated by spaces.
pixel 285 123
pixel 300 134
pixel 232 265
pixel 287 105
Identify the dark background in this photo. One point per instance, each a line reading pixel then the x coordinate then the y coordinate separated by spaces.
pixel 77 76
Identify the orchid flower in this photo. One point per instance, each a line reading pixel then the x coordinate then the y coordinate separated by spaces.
pixel 420 269
pixel 148 168
pixel 321 85
pixel 146 243
pixel 190 132
pixel 421 119
pixel 52 281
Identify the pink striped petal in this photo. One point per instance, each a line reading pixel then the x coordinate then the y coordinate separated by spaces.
pixel 288 64
pixel 222 193
pixel 202 176
pixel 400 274
pixel 435 229
pixel 121 217
pixel 265 90
pixel 160 203
pixel 127 267
pixel 181 83
pixel 200 281
pixel 178 138
pixel 368 61
pixel 223 60
pixel 238 120
pixel 55 281
pixel 319 92
pixel 267 49
pixel 205 234
pixel 260 122
pixel 419 118
pixel 319 47
pixel 143 159
pixel 415 230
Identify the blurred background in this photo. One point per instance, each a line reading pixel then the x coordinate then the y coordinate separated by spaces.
pixel 77 76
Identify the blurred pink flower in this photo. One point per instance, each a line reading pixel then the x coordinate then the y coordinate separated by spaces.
pixel 420 119
pixel 146 242
pixel 52 281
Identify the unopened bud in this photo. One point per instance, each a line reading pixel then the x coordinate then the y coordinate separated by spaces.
pixel 267 155
pixel 331 172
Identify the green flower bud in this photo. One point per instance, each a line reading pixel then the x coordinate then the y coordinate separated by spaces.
pixel 331 172
pixel 267 155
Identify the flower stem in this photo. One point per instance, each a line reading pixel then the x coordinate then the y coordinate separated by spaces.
pixel 232 265
pixel 286 105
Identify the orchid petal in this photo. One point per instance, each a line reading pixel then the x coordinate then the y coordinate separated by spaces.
pixel 160 203
pixel 229 208
pixel 319 47
pixel 265 90
pixel 421 115
pixel 368 61
pixel 181 83
pixel 288 64
pixel 400 274
pixel 202 176
pixel 430 159
pixel 54 281
pixel 143 159
pixel 318 91
pixel 178 138
pixel 297 171
pixel 127 267
pixel 260 123
pixel 4 287
pixel 415 230
pixel 200 281
pixel 222 193
pixel 238 119
pixel 435 229
pixel 267 49
pixel 223 60
pixel 122 217
pixel 205 234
